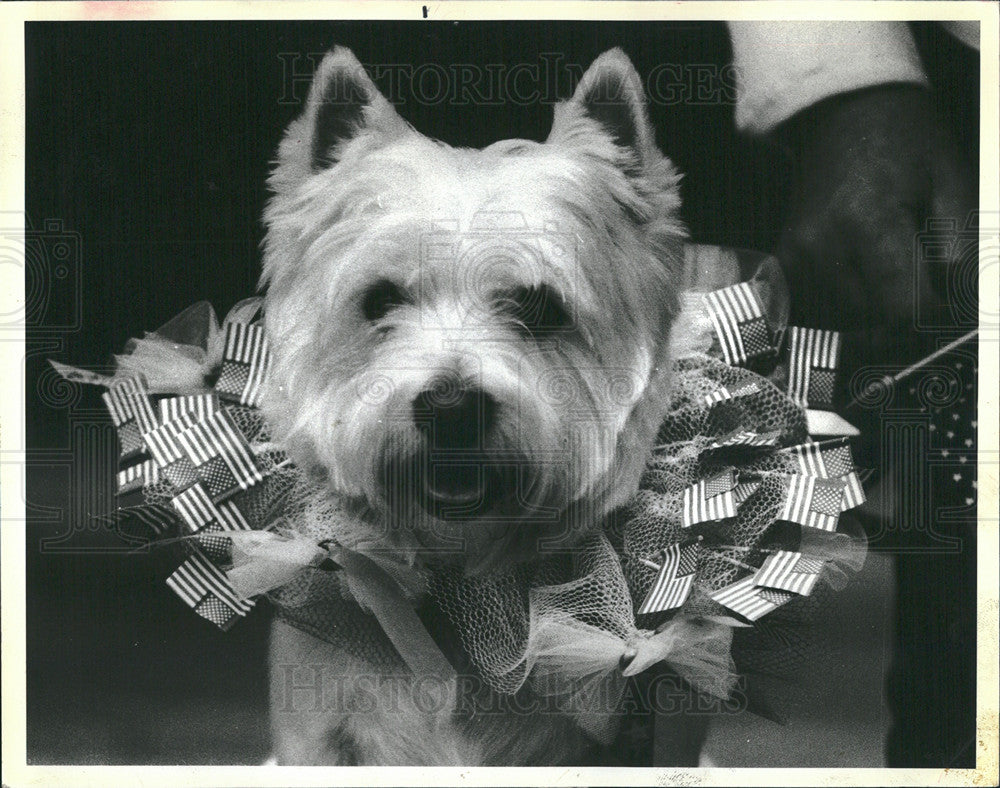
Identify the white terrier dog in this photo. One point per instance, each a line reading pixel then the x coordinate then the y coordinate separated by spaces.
pixel 471 350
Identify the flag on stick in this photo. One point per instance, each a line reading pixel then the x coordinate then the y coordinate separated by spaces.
pixel 709 499
pixel 746 438
pixel 205 518
pixel 813 502
pixel 208 591
pixel 198 405
pixel 135 477
pixel 245 361
pixel 675 578
pixel 789 571
pixel 221 457
pixel 812 365
pixel 168 453
pixel 738 318
pixel 751 602
pixel 830 460
pixel 725 394
pixel 132 413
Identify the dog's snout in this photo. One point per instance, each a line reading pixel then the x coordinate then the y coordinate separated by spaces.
pixel 454 419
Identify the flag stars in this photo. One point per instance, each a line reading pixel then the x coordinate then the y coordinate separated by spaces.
pixel 950 434
pixel 963 460
pixel 954 417
pixel 969 501
pixel 945 453
pixel 968 441
pixel 956 477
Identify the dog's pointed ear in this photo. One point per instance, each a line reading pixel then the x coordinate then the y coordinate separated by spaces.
pixel 610 93
pixel 343 104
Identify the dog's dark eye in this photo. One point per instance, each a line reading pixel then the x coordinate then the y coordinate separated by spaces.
pixel 538 309
pixel 380 298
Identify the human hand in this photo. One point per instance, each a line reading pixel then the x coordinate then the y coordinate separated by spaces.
pixel 871 167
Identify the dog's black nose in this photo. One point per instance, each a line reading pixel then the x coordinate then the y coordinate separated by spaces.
pixel 454 418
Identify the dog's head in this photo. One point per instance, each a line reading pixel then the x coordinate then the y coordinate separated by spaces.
pixel 472 345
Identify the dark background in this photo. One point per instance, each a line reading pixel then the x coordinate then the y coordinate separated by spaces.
pixel 148 145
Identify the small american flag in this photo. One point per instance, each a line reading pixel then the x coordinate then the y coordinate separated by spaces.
pixel 245 361
pixel 132 413
pixel 751 602
pixel 789 571
pixel 738 318
pixel 812 365
pixel 168 453
pixel 725 394
pixel 207 519
pixel 813 502
pixel 198 510
pixel 675 579
pixel 709 499
pixel 746 438
pixel 208 591
pixel 830 460
pixel 135 477
pixel 198 405
pixel 744 490
pixel 221 457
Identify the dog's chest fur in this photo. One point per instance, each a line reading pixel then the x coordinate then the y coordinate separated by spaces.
pixel 330 707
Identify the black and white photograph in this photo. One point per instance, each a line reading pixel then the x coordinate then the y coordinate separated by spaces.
pixel 579 386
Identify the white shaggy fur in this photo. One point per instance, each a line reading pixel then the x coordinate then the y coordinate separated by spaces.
pixel 591 214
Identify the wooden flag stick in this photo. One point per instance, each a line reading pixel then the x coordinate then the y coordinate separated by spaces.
pixel 734 562
pixel 890 380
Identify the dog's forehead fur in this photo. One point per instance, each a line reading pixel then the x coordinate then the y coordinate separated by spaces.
pixel 382 210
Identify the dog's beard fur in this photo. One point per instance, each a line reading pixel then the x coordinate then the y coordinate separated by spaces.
pixel 534 284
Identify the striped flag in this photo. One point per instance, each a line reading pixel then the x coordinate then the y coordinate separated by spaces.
pixel 812 365
pixel 132 413
pixel 221 457
pixel 813 502
pixel 198 405
pixel 725 394
pixel 709 499
pixel 135 477
pixel 208 591
pixel 751 602
pixel 738 318
pixel 206 518
pixel 245 362
pixel 830 460
pixel 197 510
pixel 674 581
pixel 744 490
pixel 168 453
pixel 789 571
pixel 746 438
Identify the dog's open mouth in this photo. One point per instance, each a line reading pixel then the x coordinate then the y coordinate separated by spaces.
pixel 460 489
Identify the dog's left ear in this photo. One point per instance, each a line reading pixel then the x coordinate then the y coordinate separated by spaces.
pixel 611 94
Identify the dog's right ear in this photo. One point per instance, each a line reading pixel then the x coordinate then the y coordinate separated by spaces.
pixel 610 93
pixel 343 104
